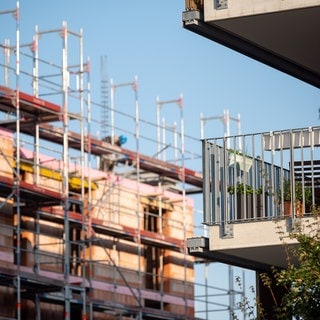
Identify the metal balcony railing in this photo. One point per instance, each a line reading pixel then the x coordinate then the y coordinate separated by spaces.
pixel 261 176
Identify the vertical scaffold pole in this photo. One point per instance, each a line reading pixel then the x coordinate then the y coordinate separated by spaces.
pixel 185 251
pixel 6 50
pixel 137 134
pixel 65 123
pixel 89 199
pixel 35 85
pixel 85 205
pixel 17 180
pixel 35 71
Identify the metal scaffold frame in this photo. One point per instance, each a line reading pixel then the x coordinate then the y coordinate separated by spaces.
pixel 62 115
pixel 71 227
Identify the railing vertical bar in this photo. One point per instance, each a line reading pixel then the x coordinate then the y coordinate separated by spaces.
pixel 213 179
pixel 216 199
pixel 206 182
pixel 225 210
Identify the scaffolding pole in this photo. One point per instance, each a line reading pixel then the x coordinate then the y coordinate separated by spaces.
pixel 137 134
pixel 225 119
pixel 17 178
pixel 16 13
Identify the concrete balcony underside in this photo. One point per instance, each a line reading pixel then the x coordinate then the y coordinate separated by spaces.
pixel 281 34
pixel 254 245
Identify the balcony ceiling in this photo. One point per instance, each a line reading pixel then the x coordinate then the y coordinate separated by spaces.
pixel 285 40
pixel 262 258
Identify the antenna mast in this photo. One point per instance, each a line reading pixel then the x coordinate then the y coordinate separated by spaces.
pixel 104 98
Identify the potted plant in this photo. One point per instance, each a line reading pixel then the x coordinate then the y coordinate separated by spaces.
pixel 247 200
pixel 299 189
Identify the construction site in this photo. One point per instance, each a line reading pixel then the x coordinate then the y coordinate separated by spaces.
pixel 90 229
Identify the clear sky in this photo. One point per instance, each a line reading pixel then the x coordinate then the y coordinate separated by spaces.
pixel 145 38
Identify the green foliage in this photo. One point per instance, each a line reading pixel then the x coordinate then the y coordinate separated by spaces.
pixel 300 281
pixel 247 307
pixel 241 188
pixel 299 189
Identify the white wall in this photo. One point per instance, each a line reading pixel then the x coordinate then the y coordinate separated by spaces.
pixel 238 8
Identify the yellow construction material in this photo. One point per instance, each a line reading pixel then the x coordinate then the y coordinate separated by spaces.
pixel 75 182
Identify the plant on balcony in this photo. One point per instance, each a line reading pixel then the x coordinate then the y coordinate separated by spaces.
pixel 299 190
pixel 241 188
pixel 249 200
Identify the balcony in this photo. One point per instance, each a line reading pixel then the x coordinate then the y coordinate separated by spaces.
pixel 252 181
pixel 275 32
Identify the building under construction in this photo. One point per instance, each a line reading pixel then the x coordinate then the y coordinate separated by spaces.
pixel 89 230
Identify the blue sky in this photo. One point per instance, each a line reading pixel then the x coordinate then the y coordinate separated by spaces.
pixel 145 38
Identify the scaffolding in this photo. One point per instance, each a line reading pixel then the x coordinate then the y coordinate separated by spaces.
pixel 81 240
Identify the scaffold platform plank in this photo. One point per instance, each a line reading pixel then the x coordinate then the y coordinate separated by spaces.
pixel 30 106
pixel 123 232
